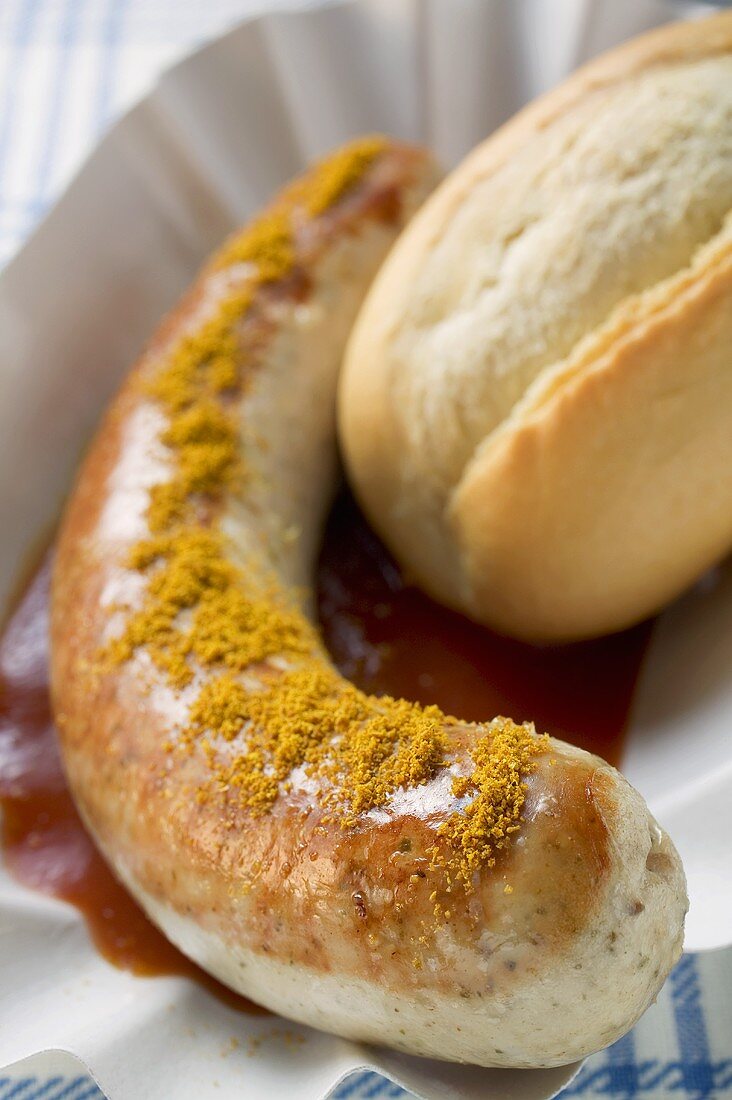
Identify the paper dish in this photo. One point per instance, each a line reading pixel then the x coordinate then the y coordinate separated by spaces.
pixel 209 144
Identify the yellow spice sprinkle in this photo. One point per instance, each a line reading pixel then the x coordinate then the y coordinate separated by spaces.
pixel 198 610
pixel 193 573
pixel 502 760
pixel 267 244
pixel 343 169
pixel 382 743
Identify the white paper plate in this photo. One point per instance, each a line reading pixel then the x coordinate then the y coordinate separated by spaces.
pixel 210 143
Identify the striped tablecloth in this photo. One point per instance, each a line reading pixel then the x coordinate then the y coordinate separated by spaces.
pixel 67 67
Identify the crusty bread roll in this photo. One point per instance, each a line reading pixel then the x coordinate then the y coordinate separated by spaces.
pixel 536 406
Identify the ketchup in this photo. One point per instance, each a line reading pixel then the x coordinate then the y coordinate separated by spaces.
pixel 383 634
pixel 388 637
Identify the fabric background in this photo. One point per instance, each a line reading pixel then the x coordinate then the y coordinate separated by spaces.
pixel 67 68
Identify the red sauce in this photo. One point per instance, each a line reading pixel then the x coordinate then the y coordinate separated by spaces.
pixel 390 638
pixel 384 635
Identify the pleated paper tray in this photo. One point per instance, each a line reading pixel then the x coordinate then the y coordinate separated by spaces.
pixel 213 140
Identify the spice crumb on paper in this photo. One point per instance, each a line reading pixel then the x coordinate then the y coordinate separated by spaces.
pixel 289 1038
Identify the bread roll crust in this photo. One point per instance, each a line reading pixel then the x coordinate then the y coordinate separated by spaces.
pixel 535 409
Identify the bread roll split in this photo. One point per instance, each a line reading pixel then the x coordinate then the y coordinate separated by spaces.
pixel 536 404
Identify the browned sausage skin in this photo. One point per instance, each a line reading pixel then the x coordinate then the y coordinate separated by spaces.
pixel 326 854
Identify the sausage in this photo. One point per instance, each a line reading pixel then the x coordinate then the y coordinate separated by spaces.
pixel 366 866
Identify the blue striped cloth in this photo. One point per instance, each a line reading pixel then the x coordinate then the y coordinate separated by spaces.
pixel 66 68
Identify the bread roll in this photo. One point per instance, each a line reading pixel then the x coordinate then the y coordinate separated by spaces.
pixel 536 406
